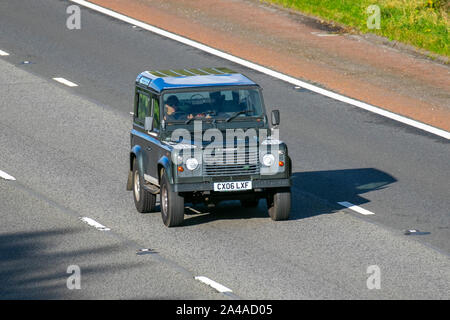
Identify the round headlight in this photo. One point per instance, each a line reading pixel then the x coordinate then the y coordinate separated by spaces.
pixel 191 164
pixel 268 160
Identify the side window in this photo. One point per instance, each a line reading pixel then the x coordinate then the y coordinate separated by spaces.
pixel 156 112
pixel 143 108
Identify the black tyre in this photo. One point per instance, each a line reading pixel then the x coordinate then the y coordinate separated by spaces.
pixel 144 200
pixel 172 204
pixel 250 203
pixel 279 204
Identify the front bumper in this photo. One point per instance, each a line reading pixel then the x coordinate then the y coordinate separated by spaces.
pixel 209 186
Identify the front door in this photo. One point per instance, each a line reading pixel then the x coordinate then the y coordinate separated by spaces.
pixel 143 109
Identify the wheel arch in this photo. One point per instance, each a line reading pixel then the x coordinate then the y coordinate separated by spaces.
pixel 135 154
pixel 165 163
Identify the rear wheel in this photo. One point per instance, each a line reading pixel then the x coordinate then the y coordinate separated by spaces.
pixel 144 200
pixel 279 204
pixel 172 204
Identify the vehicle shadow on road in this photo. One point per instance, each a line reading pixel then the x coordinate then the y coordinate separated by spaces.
pixel 318 192
pixel 313 193
pixel 31 268
pixel 226 210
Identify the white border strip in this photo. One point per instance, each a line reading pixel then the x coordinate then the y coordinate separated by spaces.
pixel 65 82
pixel 275 74
pixel 351 206
pixel 6 176
pixel 3 53
pixel 94 224
pixel 213 284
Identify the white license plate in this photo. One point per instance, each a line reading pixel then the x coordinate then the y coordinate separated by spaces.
pixel 233 186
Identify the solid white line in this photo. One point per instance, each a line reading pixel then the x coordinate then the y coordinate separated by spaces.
pixel 94 224
pixel 6 176
pixel 275 74
pixel 213 284
pixel 3 53
pixel 66 82
pixel 353 207
pixel 319 34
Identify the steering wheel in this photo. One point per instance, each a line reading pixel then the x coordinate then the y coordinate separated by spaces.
pixel 196 95
pixel 178 115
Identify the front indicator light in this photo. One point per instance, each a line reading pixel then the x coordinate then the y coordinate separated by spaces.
pixel 281 164
pixel 180 169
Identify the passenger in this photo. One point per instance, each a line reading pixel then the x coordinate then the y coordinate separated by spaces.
pixel 217 100
pixel 236 106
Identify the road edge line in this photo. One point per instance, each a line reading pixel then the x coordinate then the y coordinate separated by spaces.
pixel 278 75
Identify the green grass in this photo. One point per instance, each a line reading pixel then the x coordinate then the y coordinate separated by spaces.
pixel 421 23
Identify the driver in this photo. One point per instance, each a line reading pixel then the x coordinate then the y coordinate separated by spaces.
pixel 171 107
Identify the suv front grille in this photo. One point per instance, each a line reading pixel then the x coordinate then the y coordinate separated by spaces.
pixel 232 162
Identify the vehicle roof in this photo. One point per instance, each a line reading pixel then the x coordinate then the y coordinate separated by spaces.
pixel 160 80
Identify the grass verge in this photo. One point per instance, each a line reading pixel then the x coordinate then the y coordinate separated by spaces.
pixel 421 23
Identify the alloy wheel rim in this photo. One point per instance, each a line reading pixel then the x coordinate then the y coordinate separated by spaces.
pixel 137 187
pixel 164 200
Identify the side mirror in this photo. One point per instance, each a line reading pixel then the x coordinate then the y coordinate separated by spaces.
pixel 275 117
pixel 148 125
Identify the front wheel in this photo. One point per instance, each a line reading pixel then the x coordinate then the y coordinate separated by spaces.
pixel 279 204
pixel 172 204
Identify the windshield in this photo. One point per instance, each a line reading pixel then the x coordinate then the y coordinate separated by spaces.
pixel 227 104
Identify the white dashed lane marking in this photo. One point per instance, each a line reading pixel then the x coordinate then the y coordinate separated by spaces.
pixel 213 284
pixel 3 53
pixel 94 224
pixel 6 176
pixel 65 82
pixel 353 207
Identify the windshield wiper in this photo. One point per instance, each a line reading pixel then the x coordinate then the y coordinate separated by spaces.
pixel 234 115
pixel 189 120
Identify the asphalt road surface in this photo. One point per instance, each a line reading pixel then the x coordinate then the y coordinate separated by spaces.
pixel 67 148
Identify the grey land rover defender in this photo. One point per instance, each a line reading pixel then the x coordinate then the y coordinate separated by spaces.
pixel 203 136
